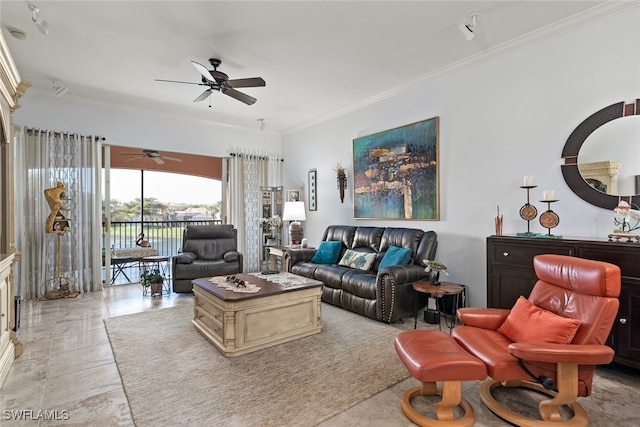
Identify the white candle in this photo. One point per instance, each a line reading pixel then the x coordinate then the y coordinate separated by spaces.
pixel 547 195
pixel 528 181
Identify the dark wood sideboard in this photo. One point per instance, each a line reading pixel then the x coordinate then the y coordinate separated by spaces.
pixel 510 274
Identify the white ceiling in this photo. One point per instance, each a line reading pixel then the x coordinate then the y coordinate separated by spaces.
pixel 318 58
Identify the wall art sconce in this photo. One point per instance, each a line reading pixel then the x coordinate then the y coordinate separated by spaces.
pixel 341 177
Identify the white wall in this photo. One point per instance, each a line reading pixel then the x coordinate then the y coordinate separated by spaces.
pixel 499 120
pixel 135 128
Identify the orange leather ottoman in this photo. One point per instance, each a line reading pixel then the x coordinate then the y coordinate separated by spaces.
pixel 432 356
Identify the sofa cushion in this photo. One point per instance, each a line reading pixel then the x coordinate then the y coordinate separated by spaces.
pixel 209 242
pixel 327 252
pixel 402 238
pixel 360 283
pixel 395 256
pixel 205 269
pixel 367 237
pixel 528 323
pixel 331 274
pixel 306 269
pixel 359 260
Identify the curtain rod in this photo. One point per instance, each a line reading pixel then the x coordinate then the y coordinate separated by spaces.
pixel 251 156
pixel 55 133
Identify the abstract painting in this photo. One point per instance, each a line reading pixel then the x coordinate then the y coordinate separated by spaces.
pixel 395 173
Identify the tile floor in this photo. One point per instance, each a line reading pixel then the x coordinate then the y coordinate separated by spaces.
pixel 68 368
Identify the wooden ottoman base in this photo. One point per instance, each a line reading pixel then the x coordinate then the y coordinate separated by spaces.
pixel 432 356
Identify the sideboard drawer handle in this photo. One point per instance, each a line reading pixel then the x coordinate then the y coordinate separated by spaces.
pixel 623 321
pixel 505 253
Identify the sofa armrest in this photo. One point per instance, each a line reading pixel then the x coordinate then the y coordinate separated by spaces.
pixel 292 256
pixel 394 291
pixel 406 273
pixel 231 256
pixel 186 258
pixel 485 318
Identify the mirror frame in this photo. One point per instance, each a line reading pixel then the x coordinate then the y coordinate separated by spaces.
pixel 571 148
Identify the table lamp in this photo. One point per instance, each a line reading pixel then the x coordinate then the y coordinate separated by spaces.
pixel 294 212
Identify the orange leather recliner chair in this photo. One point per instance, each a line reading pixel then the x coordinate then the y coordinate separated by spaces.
pixel 550 342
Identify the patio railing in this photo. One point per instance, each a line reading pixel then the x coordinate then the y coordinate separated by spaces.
pixel 165 236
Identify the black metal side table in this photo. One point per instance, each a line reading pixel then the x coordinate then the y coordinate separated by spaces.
pixel 161 263
pixel 118 264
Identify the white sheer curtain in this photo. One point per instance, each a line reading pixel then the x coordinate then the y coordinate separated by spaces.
pixel 43 158
pixel 247 172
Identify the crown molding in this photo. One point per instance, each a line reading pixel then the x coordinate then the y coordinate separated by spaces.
pixel 539 35
pixel 129 108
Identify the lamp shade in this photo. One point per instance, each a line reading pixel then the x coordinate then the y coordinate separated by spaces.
pixel 294 211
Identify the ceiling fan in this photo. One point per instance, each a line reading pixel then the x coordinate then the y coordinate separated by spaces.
pixel 219 81
pixel 153 155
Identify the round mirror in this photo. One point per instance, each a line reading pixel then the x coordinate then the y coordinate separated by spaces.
pixel 602 174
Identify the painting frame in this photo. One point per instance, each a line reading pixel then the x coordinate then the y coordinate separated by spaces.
pixel 396 173
pixel 293 195
pixel 312 189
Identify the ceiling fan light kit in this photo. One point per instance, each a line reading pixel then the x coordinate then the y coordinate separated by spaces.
pixel 219 81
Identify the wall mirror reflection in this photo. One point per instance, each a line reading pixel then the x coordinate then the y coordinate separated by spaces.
pixel 609 159
pixel 602 156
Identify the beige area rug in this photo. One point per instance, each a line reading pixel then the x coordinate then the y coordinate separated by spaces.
pixel 173 376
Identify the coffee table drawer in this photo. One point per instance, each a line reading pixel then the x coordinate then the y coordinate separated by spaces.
pixel 211 325
pixel 209 315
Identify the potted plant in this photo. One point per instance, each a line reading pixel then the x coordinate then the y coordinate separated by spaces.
pixel 152 279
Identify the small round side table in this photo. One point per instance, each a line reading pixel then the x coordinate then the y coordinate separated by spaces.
pixel 438 292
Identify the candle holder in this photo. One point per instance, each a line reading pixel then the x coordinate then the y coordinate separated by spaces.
pixel 549 220
pixel 528 212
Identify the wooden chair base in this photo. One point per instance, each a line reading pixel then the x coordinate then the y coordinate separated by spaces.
pixel 451 393
pixel 580 418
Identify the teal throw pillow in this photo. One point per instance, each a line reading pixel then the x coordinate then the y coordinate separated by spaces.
pixel 395 256
pixel 327 252
pixel 359 260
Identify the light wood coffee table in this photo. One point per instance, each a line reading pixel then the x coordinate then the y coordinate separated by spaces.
pixel 239 323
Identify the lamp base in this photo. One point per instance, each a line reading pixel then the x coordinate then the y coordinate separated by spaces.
pixel 295 232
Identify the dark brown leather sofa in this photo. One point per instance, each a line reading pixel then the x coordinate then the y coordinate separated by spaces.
pixel 207 250
pixel 383 294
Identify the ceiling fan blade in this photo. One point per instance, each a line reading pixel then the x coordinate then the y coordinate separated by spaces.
pixel 139 156
pixel 176 81
pixel 172 158
pixel 204 95
pixel 203 70
pixel 249 100
pixel 250 82
pixel 158 160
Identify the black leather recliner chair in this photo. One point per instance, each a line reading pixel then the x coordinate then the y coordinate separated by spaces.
pixel 207 251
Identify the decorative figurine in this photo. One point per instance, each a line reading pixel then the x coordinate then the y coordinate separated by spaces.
pixel 56 221
pixel 625 221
